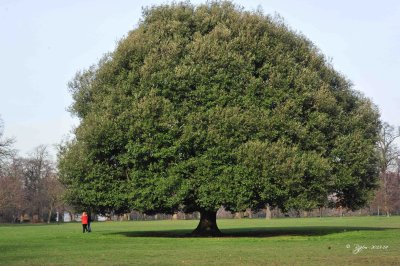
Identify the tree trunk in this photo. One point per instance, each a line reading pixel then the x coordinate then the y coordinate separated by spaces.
pixel 268 214
pixel 250 213
pixel 207 224
pixel 49 216
pixel 385 196
pixel 238 215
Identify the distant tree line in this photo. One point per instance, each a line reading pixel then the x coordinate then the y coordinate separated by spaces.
pixel 387 197
pixel 29 185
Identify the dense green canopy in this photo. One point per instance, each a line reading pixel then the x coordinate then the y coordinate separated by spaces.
pixel 207 106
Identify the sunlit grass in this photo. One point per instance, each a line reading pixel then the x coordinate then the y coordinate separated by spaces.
pixel 304 241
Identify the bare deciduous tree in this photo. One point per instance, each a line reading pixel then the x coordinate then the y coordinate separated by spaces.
pixel 388 154
pixel 12 199
pixel 52 198
pixel 6 150
pixel 37 169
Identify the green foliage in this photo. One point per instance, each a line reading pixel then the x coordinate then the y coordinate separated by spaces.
pixel 209 106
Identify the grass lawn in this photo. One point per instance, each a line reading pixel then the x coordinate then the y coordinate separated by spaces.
pixel 302 241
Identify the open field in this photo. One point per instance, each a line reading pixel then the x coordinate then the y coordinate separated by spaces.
pixel 303 241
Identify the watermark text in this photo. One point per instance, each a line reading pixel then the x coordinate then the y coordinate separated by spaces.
pixel 357 248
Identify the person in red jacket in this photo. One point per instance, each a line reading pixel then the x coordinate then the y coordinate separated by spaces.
pixel 84 222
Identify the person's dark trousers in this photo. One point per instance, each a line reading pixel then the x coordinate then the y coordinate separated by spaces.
pixel 84 227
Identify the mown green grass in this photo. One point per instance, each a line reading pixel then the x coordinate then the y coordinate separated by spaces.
pixel 303 241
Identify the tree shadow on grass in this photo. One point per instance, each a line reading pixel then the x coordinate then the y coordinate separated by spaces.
pixel 256 231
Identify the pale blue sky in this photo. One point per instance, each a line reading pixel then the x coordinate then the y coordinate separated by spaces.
pixel 43 43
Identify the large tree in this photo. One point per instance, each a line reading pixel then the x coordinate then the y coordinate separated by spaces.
pixel 209 106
